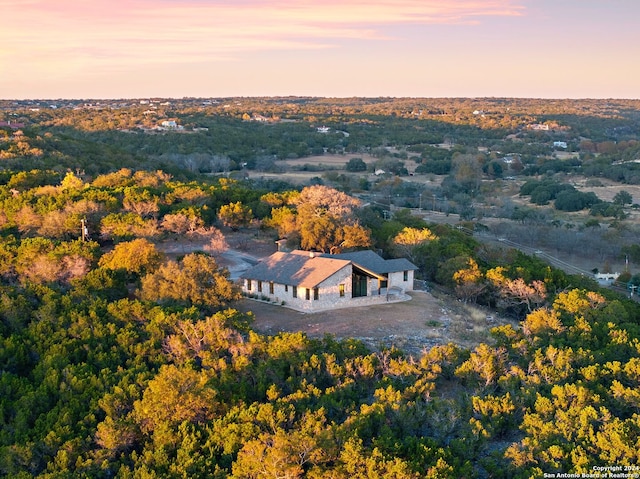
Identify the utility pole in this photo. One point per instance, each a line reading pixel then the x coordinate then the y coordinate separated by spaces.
pixel 85 230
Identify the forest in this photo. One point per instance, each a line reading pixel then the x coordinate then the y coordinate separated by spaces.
pixel 118 359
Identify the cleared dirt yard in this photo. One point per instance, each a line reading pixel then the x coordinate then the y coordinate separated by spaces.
pixel 412 326
pixel 428 319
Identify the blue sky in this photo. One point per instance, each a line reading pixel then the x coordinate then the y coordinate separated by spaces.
pixel 418 48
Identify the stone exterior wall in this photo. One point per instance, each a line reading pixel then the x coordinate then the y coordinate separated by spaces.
pixel 396 280
pixel 328 293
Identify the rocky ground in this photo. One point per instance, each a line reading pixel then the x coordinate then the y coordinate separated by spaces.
pixel 412 326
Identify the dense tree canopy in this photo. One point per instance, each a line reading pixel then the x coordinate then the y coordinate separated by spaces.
pixel 175 384
pixel 119 361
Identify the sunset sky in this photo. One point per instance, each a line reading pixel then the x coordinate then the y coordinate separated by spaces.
pixel 332 48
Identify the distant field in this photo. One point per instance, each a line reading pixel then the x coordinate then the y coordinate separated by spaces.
pixel 338 161
pixel 330 163
pixel 330 160
pixel 610 189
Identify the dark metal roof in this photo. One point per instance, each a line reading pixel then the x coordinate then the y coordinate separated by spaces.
pixel 376 263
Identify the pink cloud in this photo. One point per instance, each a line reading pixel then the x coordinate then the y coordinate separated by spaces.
pixel 66 37
pixel 238 25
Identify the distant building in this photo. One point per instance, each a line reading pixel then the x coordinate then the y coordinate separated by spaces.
pixel 560 144
pixel 606 279
pixel 323 129
pixel 539 127
pixel 14 125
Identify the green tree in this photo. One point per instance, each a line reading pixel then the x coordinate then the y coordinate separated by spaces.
pixel 467 170
pixel 44 261
pixel 469 281
pixel 324 220
pixel 487 364
pixel 175 395
pixel 138 256
pixel 358 463
pixel 235 215
pixel 356 164
pixel 123 226
pixel 622 198
pixel 206 340
pixel 280 454
pixel 71 183
pixel 319 233
pixel 283 219
pixel 407 241
pixel 140 202
pixel 355 236
pixel 494 169
pixel 573 200
pixel 196 280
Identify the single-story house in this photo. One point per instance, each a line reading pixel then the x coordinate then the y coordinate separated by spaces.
pixel 398 273
pixel 308 281
pixel 606 279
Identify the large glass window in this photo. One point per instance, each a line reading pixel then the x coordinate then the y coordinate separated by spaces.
pixel 359 285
